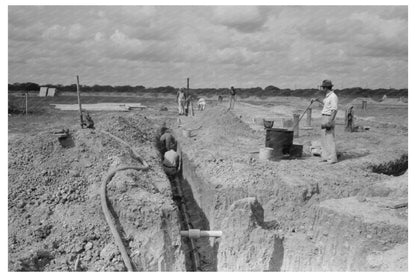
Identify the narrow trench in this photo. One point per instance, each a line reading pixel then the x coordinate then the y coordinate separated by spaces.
pixel 201 253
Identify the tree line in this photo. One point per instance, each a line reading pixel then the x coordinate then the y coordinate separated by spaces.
pixel 242 92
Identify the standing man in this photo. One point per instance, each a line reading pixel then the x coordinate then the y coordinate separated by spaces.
pixel 349 119
pixel 329 112
pixel 180 99
pixel 232 98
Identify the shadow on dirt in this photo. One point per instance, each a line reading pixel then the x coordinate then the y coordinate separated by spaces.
pixel 198 220
pixel 393 168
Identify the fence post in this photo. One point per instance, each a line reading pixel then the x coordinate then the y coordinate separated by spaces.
pixel 296 125
pixel 309 117
pixel 79 102
pixel 26 101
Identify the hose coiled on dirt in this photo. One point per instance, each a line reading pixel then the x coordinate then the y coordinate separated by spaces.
pixel 104 205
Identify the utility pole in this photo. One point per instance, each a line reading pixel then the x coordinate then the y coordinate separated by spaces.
pixel 26 101
pixel 79 101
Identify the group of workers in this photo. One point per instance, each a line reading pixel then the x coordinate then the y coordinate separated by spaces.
pixel 328 115
pixel 185 105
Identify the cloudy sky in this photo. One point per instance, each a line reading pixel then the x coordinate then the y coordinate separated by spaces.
pixel 215 46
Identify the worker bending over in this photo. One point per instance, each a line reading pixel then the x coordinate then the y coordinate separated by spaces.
pixel 329 112
pixel 201 104
pixel 171 163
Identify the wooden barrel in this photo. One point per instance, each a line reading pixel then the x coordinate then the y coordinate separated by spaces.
pixel 280 140
pixel 265 153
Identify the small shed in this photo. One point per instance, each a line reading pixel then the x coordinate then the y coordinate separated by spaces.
pixel 43 92
pixel 51 92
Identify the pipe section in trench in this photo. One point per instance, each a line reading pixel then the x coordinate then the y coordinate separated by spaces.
pixel 201 253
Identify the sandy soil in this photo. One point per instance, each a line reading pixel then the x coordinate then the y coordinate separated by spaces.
pixel 280 208
pixel 55 216
pixel 288 190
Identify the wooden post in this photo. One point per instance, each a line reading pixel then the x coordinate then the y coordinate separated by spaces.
pixel 79 101
pixel 26 101
pixel 187 85
pixel 309 117
pixel 296 125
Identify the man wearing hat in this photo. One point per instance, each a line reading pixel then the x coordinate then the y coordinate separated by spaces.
pixel 329 112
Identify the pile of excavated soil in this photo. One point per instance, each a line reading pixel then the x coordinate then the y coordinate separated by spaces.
pixel 55 215
pixel 221 155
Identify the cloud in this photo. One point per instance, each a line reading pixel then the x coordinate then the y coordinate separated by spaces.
pixel 245 19
pixel 214 45
pixel 74 32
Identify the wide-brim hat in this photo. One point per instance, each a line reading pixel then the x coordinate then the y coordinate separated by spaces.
pixel 327 83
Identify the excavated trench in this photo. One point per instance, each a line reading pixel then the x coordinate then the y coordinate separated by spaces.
pixel 249 243
pixel 201 253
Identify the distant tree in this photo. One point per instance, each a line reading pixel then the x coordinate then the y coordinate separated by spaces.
pixel 271 88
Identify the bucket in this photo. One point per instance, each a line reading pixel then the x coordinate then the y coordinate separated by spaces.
pixel 280 140
pixel 265 153
pixel 268 123
pixel 187 133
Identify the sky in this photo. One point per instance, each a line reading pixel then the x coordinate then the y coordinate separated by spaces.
pixel 215 46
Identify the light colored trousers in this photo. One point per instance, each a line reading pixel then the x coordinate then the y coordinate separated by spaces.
pixel 329 151
pixel 181 105
pixel 232 102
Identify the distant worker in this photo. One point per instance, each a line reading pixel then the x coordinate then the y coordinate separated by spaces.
pixel 232 98
pixel 189 106
pixel 349 119
pixel 219 98
pixel 180 98
pixel 87 121
pixel 329 112
pixel 201 104
pixel 171 163
pixel 167 141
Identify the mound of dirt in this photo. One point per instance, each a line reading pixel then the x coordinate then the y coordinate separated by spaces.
pixel 55 214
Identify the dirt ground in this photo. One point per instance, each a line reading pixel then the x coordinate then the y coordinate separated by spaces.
pixel 281 210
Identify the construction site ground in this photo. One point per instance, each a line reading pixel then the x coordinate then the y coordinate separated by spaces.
pixel 288 215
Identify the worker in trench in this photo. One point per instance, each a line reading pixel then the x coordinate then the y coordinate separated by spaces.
pixel 329 112
pixel 167 140
pixel 171 159
pixel 171 163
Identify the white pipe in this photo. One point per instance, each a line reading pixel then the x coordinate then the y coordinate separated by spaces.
pixel 196 233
